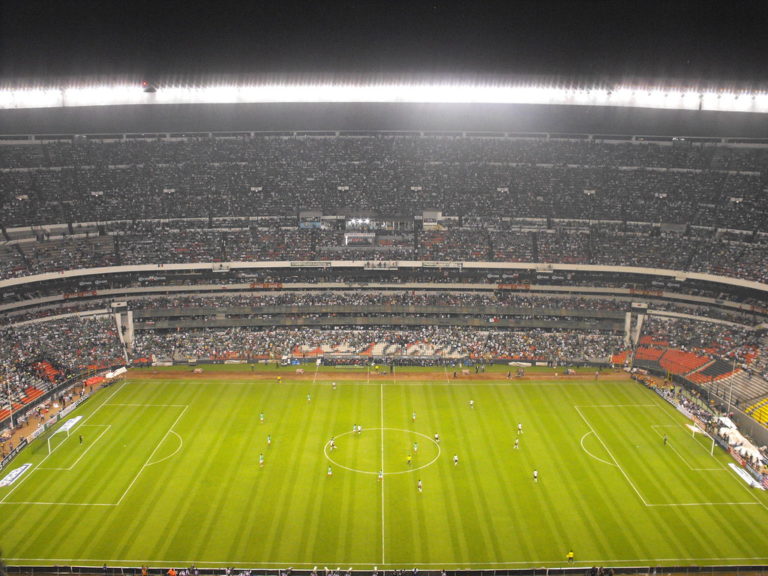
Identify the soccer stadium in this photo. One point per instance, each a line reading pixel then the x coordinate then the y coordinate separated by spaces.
pixel 319 325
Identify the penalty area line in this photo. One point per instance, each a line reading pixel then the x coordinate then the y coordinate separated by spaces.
pixel 679 455
pixel 85 420
pixel 590 453
pixel 149 460
pixel 626 476
pixel 90 445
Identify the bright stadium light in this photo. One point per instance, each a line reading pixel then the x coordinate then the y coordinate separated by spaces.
pixel 428 92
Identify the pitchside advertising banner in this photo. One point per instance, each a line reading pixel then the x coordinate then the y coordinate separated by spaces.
pixel 14 475
pixel 12 454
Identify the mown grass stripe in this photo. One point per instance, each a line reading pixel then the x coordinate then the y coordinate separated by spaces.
pixel 210 503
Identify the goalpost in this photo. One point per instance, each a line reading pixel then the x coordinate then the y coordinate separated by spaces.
pixel 65 429
pixel 696 430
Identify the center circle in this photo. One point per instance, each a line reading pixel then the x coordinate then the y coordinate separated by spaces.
pixel 402 451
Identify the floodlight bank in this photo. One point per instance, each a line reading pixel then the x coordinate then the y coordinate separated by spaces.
pixel 406 93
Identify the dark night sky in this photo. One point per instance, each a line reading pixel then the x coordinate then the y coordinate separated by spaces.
pixel 714 43
pixel 583 40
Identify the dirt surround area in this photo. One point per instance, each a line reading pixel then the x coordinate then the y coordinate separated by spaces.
pixel 77 392
pixel 400 374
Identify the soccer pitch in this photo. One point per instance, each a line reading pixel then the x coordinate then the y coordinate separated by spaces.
pixel 168 474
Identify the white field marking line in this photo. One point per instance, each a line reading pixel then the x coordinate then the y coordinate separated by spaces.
pixel 433 383
pixel 26 476
pixel 149 405
pixel 590 453
pixel 149 460
pixel 90 445
pixel 670 445
pixel 691 504
pixel 146 464
pixel 181 445
pixel 750 492
pixel 671 505
pixel 618 406
pixel 59 503
pixel 119 387
pixel 629 480
pixel 409 471
pixel 663 405
pixel 381 415
pixel 281 565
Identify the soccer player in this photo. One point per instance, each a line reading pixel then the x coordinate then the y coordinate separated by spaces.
pixel 437 437
pixel 381 474
pixel 330 471
pixel 332 444
pixel 569 556
pixel 520 428
pixel 309 398
pixel 413 417
pixel 665 439
pixel 419 486
pixel 333 385
pixel 517 443
pixel 81 439
pixel 261 417
pixel 455 459
pixel 535 475
pixel 269 439
pixel 415 447
pixel 471 403
pixel 261 459
pixel 408 459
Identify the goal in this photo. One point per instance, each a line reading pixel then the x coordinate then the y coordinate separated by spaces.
pixel 64 430
pixel 696 430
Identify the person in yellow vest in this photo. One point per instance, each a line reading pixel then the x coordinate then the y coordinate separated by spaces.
pixel 569 556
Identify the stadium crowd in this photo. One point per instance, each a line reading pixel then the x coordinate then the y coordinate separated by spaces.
pixel 74 345
pixel 665 205
pixel 364 299
pixel 253 304
pixel 98 181
pixel 711 339
pixel 557 347
pixel 39 356
pixel 147 242
pixel 672 205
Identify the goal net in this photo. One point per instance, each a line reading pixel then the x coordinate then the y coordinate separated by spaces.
pixel 59 435
pixel 702 437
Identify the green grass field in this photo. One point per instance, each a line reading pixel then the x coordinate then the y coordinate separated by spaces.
pixel 168 474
